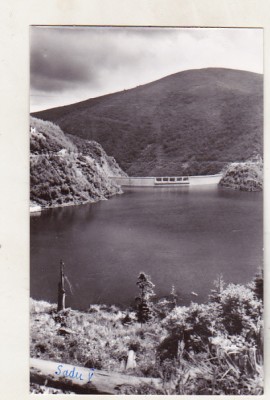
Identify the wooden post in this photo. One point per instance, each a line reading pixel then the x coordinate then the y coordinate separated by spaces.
pixel 61 288
pixel 131 363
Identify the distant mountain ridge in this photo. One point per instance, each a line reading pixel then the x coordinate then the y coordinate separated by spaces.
pixel 192 122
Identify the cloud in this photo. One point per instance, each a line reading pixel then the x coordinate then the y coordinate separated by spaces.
pixel 64 56
pixel 85 62
pixel 57 60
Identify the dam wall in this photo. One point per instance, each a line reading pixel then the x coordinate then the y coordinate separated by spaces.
pixel 134 181
pixel 168 181
pixel 205 179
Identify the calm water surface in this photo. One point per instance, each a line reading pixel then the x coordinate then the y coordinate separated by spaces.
pixel 180 236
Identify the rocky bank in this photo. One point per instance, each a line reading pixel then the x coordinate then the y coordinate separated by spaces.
pixel 245 176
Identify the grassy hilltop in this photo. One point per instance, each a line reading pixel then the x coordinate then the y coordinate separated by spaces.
pixel 191 122
pixel 66 170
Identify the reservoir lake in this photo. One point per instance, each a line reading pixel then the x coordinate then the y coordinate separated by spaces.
pixel 181 236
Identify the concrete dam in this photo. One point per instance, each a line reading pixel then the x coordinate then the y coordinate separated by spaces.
pixel 168 180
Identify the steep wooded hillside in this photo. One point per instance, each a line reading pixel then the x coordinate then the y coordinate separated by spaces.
pixel 246 176
pixel 66 170
pixel 191 122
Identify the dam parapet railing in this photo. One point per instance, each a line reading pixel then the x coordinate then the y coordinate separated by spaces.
pixel 153 181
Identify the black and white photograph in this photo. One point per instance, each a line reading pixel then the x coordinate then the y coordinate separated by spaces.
pixel 146 210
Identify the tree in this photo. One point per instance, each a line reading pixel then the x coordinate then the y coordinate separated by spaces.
pixel 258 284
pixel 166 304
pixel 240 310
pixel 145 305
pixel 173 297
pixel 219 285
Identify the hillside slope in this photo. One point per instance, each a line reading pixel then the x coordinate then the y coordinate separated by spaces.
pixel 66 170
pixel 191 122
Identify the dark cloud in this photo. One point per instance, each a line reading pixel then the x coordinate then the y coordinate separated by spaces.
pixel 56 61
pixel 68 56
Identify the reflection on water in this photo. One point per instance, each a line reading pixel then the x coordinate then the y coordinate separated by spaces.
pixel 182 236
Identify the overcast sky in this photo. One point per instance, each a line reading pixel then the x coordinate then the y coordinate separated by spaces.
pixel 70 64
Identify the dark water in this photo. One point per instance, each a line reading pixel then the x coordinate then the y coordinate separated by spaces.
pixel 180 236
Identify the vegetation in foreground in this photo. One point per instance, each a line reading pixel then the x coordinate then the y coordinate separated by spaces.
pixel 211 348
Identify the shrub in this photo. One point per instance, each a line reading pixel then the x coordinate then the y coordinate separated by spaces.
pixel 65 189
pixel 240 310
pixel 144 304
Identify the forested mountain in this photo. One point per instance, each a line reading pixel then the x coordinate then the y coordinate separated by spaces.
pixel 191 122
pixel 66 170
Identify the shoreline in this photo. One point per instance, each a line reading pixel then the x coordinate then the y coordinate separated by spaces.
pixel 238 188
pixel 92 201
pixel 73 204
pixel 116 179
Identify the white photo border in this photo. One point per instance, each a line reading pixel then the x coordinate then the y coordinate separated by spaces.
pixel 16 16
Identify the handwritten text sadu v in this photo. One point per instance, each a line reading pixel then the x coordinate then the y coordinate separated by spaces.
pixel 74 373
